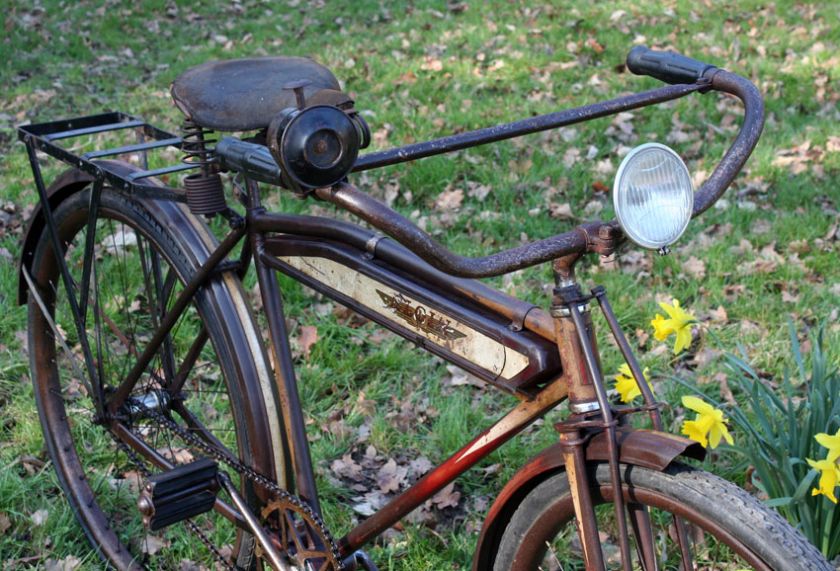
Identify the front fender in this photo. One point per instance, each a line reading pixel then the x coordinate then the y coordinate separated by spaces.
pixel 646 448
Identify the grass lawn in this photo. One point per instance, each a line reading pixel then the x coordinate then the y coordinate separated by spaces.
pixel 765 256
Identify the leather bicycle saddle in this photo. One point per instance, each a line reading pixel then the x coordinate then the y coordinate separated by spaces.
pixel 246 94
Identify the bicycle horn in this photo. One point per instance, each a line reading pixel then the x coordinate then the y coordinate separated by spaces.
pixel 315 146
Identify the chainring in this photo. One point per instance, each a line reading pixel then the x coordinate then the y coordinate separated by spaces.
pixel 301 535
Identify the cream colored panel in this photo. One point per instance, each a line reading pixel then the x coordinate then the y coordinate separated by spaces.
pixel 438 328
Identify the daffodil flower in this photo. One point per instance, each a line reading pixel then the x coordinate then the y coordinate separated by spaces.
pixel 828 478
pixel 832 443
pixel 678 323
pixel 626 384
pixel 708 427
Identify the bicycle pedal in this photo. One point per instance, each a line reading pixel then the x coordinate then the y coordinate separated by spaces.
pixel 179 494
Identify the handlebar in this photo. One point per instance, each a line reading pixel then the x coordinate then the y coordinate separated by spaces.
pixel 687 74
pixel 669 67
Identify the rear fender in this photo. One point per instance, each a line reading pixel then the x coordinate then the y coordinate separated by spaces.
pixel 646 448
pixel 66 184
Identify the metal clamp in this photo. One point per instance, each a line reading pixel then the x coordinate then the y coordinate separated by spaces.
pixel 584 407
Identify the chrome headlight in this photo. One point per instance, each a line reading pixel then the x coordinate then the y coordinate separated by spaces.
pixel 653 196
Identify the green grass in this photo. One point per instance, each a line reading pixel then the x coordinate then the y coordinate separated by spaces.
pixel 499 62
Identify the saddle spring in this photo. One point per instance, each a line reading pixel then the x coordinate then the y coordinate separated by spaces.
pixel 205 193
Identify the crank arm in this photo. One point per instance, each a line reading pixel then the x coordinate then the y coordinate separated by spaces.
pixel 253 525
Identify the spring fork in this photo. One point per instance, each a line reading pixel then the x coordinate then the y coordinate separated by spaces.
pixel 640 520
pixel 610 423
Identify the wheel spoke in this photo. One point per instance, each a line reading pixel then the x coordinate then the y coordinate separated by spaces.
pixel 643 535
pixel 133 298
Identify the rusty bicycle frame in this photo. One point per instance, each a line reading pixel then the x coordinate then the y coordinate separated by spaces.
pixel 423 285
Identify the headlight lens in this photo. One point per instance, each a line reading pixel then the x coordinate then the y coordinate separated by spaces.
pixel 653 196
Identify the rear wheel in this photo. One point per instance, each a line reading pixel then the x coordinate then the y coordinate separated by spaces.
pixel 210 379
pixel 727 528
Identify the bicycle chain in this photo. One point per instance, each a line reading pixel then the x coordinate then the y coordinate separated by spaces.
pixel 250 473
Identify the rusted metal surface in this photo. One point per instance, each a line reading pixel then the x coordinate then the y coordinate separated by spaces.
pixel 585 519
pixel 737 154
pixel 518 312
pixel 485 443
pixel 246 94
pixel 408 234
pixel 626 352
pixel 184 299
pixel 488 347
pixel 647 448
pixel 593 365
pixel 523 127
pixel 67 183
pixel 284 372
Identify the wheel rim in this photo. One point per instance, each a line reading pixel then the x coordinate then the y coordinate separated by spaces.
pixel 100 475
pixel 714 549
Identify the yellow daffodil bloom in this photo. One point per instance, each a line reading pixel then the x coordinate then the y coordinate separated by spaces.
pixel 678 323
pixel 832 443
pixel 708 427
pixel 626 384
pixel 828 478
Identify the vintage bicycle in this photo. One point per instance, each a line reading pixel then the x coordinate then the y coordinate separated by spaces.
pixel 163 407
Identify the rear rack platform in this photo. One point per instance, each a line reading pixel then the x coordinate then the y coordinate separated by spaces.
pixel 45 137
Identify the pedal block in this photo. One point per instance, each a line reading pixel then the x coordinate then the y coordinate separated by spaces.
pixel 179 494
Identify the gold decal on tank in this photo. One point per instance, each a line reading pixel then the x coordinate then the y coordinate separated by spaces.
pixel 419 316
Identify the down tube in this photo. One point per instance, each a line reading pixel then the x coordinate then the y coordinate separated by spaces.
pixel 503 430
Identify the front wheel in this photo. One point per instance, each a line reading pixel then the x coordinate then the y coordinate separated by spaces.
pixel 727 528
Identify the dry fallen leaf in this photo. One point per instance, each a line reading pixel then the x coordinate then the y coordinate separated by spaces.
pixel 5 523
pixel 725 391
pixel 696 267
pixel 390 476
pixel 187 565
pixel 562 211
pixel 459 377
pixel 69 563
pixel 346 467
pixel 39 518
pixel 719 315
pixel 449 200
pixel 152 544
pixel 307 338
pixel 447 498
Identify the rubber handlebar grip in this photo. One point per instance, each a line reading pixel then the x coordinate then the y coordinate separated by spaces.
pixel 252 160
pixel 669 67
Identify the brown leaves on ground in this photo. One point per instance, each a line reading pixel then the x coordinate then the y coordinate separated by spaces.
pixel 377 478
pixel 800 159
pixel 696 267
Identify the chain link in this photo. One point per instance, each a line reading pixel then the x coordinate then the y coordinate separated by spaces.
pixel 244 470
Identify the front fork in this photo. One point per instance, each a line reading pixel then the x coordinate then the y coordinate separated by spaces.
pixel 592 413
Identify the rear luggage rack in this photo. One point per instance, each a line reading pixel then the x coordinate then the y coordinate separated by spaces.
pixel 44 137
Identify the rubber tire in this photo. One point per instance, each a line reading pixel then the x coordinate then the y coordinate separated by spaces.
pixel 184 242
pixel 762 530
